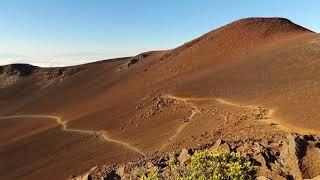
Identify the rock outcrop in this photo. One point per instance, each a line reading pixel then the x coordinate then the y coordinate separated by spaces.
pixel 17 69
pixel 293 157
pixel 10 74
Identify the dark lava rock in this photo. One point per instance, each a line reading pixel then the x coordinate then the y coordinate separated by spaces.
pixel 17 69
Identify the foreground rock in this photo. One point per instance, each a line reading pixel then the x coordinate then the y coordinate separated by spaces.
pixel 293 157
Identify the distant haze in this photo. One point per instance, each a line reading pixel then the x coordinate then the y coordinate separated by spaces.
pixel 62 33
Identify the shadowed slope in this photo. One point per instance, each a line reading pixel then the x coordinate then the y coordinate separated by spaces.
pixel 64 127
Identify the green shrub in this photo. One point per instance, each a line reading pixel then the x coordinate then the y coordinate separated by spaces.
pixel 207 165
pixel 138 172
pixel 151 175
pixel 143 174
pixel 204 165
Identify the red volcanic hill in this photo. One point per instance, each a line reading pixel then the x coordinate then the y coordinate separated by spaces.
pixel 232 41
pixel 249 30
pixel 115 110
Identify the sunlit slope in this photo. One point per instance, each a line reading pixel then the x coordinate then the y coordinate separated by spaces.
pixel 101 87
pixel 268 62
pixel 283 76
pixel 56 154
pixel 255 60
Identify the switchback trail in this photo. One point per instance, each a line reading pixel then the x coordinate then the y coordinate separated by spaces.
pixel 270 118
pixel 196 110
pixel 65 128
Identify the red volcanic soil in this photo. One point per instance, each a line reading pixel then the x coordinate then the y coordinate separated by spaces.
pixel 161 100
pixel 16 128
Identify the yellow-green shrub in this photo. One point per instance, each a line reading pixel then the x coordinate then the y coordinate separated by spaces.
pixel 207 165
pixel 204 165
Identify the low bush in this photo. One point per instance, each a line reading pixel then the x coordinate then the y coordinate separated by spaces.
pixel 208 165
pixel 205 165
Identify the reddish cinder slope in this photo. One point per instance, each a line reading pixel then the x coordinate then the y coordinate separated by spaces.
pixel 233 40
pixel 250 61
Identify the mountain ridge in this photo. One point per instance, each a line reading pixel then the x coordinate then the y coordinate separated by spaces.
pixel 270 63
pixel 277 24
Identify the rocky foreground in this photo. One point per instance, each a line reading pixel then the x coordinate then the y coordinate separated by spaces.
pixel 292 157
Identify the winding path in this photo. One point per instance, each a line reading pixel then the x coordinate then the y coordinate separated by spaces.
pixel 65 128
pixel 270 118
pixel 196 110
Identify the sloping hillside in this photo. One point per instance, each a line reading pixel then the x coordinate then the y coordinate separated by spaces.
pixel 160 100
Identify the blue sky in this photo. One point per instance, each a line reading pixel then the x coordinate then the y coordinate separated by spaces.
pixel 68 32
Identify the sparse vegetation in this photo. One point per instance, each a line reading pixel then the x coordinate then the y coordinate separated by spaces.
pixel 151 175
pixel 207 165
pixel 143 174
pixel 217 166
pixel 138 172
